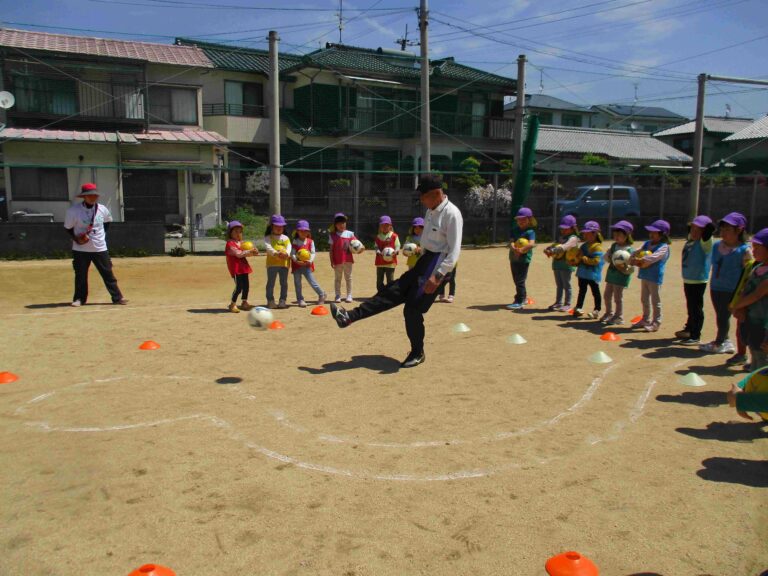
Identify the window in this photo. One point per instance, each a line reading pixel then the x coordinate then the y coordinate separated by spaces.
pixel 39 184
pixel 168 105
pixel 545 117
pixel 599 195
pixel 45 95
pixel 244 98
pixel 572 120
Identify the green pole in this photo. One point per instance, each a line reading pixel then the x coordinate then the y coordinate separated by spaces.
pixel 524 175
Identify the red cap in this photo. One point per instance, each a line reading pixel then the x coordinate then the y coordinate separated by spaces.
pixel 87 189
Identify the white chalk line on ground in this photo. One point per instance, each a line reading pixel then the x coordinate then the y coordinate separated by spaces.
pixel 107 307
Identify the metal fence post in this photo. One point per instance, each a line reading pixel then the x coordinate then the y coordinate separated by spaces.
pixel 661 199
pixel 610 203
pixel 556 187
pixel 495 206
pixel 710 186
pixel 356 199
pixel 753 205
pixel 190 208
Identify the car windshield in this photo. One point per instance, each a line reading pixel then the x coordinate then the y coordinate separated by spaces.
pixel 576 193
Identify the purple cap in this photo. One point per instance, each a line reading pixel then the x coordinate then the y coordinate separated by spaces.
pixel 736 219
pixel 418 221
pixel 302 225
pixel 591 226
pixel 234 224
pixel 524 213
pixel 761 237
pixel 701 221
pixel 568 221
pixel 385 220
pixel 660 226
pixel 277 220
pixel 339 216
pixel 624 226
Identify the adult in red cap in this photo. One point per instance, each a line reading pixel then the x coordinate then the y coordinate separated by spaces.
pixel 87 222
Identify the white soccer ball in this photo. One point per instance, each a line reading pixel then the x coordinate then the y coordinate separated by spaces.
pixel 621 258
pixel 260 318
pixel 388 254
pixel 409 249
pixel 356 247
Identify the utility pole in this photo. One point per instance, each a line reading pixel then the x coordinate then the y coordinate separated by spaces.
pixel 404 40
pixel 274 140
pixel 698 144
pixel 341 18
pixel 517 136
pixel 426 141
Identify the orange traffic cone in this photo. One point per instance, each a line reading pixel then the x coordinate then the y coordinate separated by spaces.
pixel 276 325
pixel 530 301
pixel 319 311
pixel 8 377
pixel 571 564
pixel 571 311
pixel 636 319
pixel 152 570
pixel 610 337
pixel 149 345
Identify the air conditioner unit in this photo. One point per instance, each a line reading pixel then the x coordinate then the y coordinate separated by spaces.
pixel 202 178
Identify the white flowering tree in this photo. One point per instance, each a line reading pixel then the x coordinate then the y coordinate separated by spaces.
pixel 258 182
pixel 480 200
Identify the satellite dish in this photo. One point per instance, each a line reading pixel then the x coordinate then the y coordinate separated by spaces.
pixel 634 125
pixel 6 100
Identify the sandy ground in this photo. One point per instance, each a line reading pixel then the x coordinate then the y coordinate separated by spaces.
pixel 306 450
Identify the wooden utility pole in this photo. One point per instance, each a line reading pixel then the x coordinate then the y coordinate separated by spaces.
pixel 274 113
pixel 426 140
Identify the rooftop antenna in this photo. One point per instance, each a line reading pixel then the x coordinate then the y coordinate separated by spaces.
pixel 404 40
pixel 541 80
pixel 727 110
pixel 341 18
pixel 635 84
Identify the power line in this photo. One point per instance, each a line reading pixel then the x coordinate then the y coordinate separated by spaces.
pixel 209 6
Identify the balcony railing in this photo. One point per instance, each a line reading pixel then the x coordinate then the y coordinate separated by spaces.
pixel 248 110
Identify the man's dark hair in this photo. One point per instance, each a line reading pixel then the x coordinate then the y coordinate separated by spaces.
pixel 430 182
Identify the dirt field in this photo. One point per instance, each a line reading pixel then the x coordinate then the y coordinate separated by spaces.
pixel 307 451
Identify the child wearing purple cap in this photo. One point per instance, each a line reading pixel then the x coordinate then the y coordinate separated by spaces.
pixel 569 238
pixel 278 247
pixel 339 239
pixel 414 237
pixel 652 261
pixel 730 256
pixel 590 269
pixel 303 263
pixel 238 266
pixel 521 243
pixel 697 261
pixel 750 304
pixel 619 274
pixel 386 238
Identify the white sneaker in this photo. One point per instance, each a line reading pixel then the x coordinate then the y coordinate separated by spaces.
pixel 715 348
pixel 76 304
pixel 728 347
pixel 337 299
pixel 652 327
pixel 349 299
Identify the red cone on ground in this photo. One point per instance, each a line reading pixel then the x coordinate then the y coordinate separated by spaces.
pixel 319 311
pixel 636 319
pixel 571 564
pixel 276 325
pixel 152 570
pixel 610 337
pixel 8 377
pixel 530 301
pixel 571 311
pixel 149 345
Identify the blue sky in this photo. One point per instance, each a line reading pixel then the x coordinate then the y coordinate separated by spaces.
pixel 584 51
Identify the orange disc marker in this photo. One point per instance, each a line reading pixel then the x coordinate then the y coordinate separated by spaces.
pixel 149 345
pixel 152 570
pixel 610 337
pixel 571 311
pixel 571 564
pixel 276 325
pixel 636 319
pixel 8 377
pixel 530 301
pixel 319 311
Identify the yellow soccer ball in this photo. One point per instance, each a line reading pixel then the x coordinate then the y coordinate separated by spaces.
pixel 573 256
pixel 247 245
pixel 303 255
pixel 521 242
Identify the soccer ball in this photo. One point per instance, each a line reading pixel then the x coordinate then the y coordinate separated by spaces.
pixel 356 247
pixel 247 245
pixel 620 258
pixel 573 256
pixel 409 249
pixel 521 242
pixel 260 318
pixel 303 255
pixel 388 254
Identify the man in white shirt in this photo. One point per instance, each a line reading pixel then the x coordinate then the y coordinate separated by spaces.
pixel 86 222
pixel 417 288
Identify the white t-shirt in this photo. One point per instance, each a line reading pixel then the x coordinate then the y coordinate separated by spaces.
pixel 79 219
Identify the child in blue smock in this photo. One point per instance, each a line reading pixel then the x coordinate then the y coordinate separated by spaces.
pixel 652 261
pixel 590 269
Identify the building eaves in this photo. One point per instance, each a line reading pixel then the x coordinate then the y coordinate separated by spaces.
pixel 240 59
pixel 756 131
pixel 42 135
pixel 712 124
pixel 638 111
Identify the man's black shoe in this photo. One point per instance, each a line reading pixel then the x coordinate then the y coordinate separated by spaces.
pixel 340 315
pixel 413 360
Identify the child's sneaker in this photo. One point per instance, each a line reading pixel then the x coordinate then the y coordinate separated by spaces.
pixel 233 308
pixel 606 318
pixel 554 307
pixel 615 321
pixel 714 348
pixel 690 342
pixel 737 359
pixel 683 334
pixel 449 300
pixel 441 298
pixel 271 304
pixel 337 299
pixel 578 312
pixel 652 327
pixel 302 304
pixel 564 308
pixel 349 299
pixel 282 304
pixel 593 314
pixel 642 324
pixel 321 300
pixel 245 306
pixel 514 306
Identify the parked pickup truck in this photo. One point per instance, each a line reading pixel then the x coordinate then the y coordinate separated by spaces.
pixel 592 202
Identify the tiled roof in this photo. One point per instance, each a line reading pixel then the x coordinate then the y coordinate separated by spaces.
pixel 755 131
pixel 34 134
pixel 612 143
pixel 711 124
pixel 638 111
pixel 165 136
pixel 144 51
pixel 544 101
pixel 240 58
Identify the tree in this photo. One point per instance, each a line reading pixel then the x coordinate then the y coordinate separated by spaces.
pixel 471 177
pixel 594 160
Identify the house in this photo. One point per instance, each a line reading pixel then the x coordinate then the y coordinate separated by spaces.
pixel 562 148
pixel 350 108
pixel 634 118
pixel 748 148
pixel 716 128
pixel 126 115
pixel 553 111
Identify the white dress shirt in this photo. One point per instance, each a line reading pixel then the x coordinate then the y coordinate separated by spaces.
pixel 442 234
pixel 79 218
